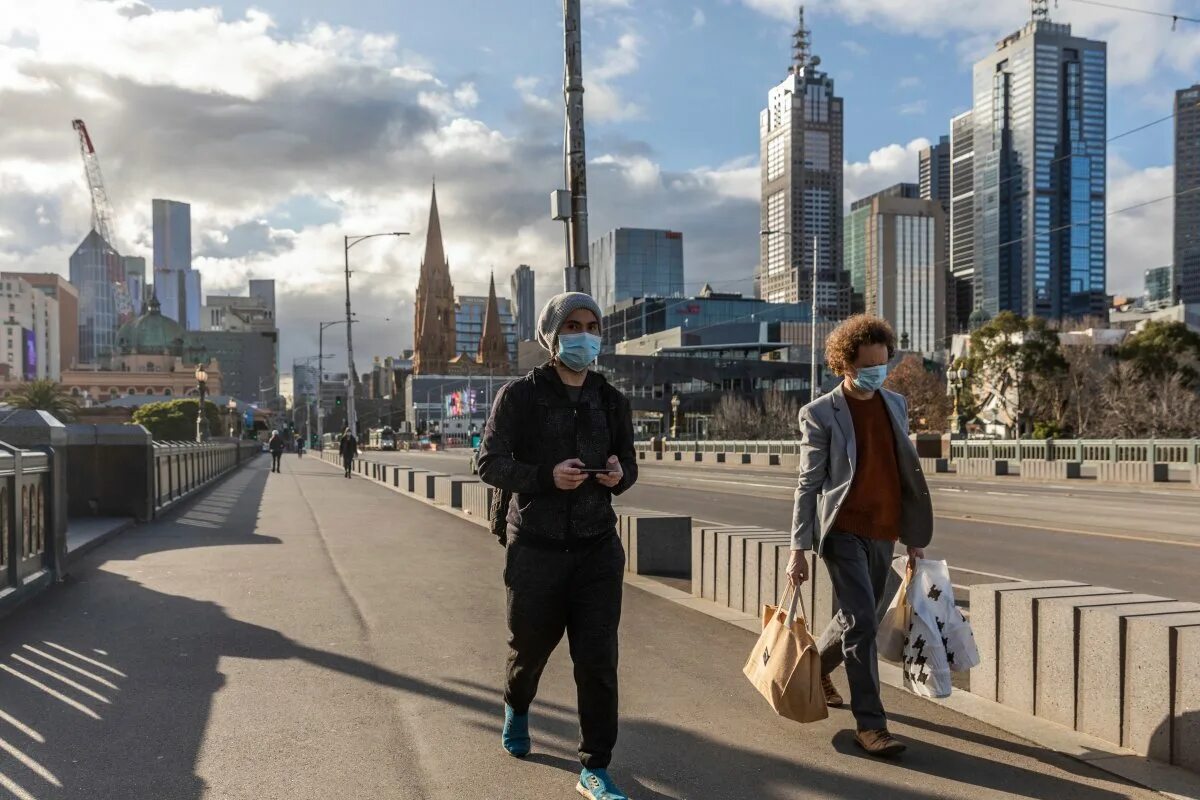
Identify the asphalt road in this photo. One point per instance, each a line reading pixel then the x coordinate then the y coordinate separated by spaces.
pixel 303 636
pixel 1143 540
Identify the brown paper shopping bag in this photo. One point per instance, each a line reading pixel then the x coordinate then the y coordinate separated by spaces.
pixel 785 666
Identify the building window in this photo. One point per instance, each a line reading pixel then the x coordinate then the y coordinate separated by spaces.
pixel 167 393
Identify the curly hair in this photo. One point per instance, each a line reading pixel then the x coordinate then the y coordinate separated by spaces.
pixel 841 348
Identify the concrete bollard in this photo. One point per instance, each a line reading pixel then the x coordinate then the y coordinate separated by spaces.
pixel 1033 469
pixel 1098 697
pixel 416 481
pixel 744 570
pixel 771 577
pixel 759 552
pixel 1057 657
pixel 931 466
pixel 658 545
pixel 1017 653
pixel 1132 472
pixel 447 489
pixel 1185 729
pixel 1151 645
pixel 728 540
pixel 708 559
pixel 429 488
pixel 985 622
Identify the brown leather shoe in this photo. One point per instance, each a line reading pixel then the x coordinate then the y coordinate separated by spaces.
pixel 832 698
pixel 879 743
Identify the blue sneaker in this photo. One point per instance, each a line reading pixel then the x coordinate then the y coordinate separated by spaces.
pixel 595 784
pixel 516 733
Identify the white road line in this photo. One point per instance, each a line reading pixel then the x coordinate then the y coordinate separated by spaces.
pixel 1007 494
pixel 986 574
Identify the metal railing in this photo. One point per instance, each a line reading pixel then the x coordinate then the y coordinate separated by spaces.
pixel 26 546
pixel 1159 451
pixel 181 468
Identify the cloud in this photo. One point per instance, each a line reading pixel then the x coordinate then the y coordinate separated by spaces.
pixel 914 108
pixel 1141 44
pixel 603 101
pixel 909 82
pixel 528 88
pixel 854 48
pixel 699 19
pixel 1141 238
pixel 888 165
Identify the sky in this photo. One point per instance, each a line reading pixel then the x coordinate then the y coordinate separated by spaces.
pixel 288 123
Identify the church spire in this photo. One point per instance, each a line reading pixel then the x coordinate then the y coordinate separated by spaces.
pixel 434 342
pixel 493 347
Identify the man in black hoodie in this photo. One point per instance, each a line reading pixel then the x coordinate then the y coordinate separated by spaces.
pixel 561 440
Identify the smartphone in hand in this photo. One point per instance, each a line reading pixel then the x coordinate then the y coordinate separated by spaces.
pixel 595 470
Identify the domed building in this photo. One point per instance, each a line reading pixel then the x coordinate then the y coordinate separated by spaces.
pixel 153 359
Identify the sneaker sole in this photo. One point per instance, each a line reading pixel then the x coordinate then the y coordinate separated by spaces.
pixel 886 752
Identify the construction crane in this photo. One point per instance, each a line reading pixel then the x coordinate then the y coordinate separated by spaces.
pixel 102 218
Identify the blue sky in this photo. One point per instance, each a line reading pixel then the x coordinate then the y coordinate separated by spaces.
pixel 286 124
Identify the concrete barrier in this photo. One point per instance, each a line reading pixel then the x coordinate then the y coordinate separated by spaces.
pixel 704 558
pixel 428 489
pixel 447 489
pixel 477 499
pixel 727 540
pixel 1058 651
pixel 765 459
pixel 1185 724
pixel 1101 678
pixel 744 569
pixel 759 585
pixel 939 466
pixel 985 622
pixel 1036 469
pixel 1017 652
pixel 657 544
pixel 416 481
pixel 1151 660
pixel 1132 472
pixel 981 467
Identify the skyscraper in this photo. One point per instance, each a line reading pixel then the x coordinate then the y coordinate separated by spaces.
pixel 176 284
pixel 1040 173
pixel 1159 291
pixel 434 341
pixel 934 168
pixel 135 280
pixel 854 258
pixel 636 262
pixel 800 134
pixel 521 285
pixel 1187 194
pixel 961 288
pixel 902 264
pixel 95 266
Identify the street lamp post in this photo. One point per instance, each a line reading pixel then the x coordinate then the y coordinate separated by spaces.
pixel 348 242
pixel 814 368
pixel 202 386
pixel 958 379
pixel 232 406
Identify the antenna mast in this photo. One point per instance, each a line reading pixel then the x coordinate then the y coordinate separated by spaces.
pixel 802 44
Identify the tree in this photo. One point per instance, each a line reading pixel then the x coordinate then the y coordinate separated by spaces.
pixel 929 407
pixel 1137 407
pixel 45 395
pixel 780 416
pixel 775 417
pixel 175 420
pixel 735 417
pixel 1162 349
pixel 1016 360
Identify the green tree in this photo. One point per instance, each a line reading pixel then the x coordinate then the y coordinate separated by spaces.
pixel 1018 361
pixel 45 395
pixel 1163 349
pixel 175 420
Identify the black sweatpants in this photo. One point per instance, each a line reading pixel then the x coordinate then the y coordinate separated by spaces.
pixel 579 592
pixel 275 459
pixel 348 464
pixel 859 569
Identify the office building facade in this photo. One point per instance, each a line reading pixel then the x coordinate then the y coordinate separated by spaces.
pixel 29 345
pixel 934 169
pixel 525 310
pixel 1187 194
pixel 905 279
pixel 66 298
pixel 800 135
pixel 176 284
pixel 636 262
pixel 1039 144
pixel 1159 288
pixel 854 257
pixel 135 282
pixel 470 312
pixel 960 288
pixel 94 267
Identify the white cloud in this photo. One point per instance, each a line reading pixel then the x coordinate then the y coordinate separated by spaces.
pixel 854 48
pixel 603 101
pixel 1141 238
pixel 915 108
pixel 529 89
pixel 888 165
pixel 699 19
pixel 909 82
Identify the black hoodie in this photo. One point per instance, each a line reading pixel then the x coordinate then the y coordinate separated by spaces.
pixel 534 426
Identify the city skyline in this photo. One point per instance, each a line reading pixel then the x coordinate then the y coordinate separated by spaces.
pixel 494 146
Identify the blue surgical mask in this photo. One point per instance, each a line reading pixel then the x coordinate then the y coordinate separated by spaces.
pixel 577 350
pixel 870 379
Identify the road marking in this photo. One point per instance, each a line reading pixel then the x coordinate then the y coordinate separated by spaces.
pixel 949 489
pixel 1007 494
pixel 1123 536
pixel 986 574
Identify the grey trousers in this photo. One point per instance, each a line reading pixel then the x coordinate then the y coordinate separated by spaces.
pixel 859 569
pixel 579 593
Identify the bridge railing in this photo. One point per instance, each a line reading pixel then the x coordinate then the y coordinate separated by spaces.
pixel 181 468
pixel 26 546
pixel 1158 451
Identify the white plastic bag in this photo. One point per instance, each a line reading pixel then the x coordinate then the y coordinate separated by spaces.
pixel 939 637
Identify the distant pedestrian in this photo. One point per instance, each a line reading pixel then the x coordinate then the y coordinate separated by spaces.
pixel 276 445
pixel 860 491
pixel 561 440
pixel 348 447
pixel 299 446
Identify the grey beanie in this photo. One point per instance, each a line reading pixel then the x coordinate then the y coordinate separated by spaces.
pixel 556 312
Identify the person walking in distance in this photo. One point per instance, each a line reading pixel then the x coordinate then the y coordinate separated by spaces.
pixel 860 491
pixel 561 441
pixel 348 447
pixel 276 445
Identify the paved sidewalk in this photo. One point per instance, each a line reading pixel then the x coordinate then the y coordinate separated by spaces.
pixel 303 636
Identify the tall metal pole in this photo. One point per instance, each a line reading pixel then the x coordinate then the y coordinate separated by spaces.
pixel 351 417
pixel 579 271
pixel 814 368
pixel 320 388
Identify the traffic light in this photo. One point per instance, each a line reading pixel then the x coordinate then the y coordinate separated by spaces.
pixel 337 401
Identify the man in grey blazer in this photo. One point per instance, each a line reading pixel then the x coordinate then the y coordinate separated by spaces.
pixel 860 491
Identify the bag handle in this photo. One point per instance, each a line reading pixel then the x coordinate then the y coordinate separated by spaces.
pixel 796 602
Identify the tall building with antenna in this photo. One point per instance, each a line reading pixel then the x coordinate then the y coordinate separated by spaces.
pixel 800 134
pixel 1039 182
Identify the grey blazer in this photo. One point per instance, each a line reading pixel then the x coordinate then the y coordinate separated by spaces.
pixel 828 456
